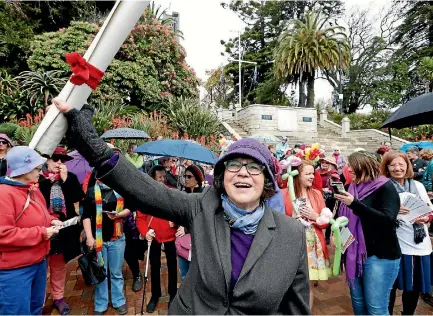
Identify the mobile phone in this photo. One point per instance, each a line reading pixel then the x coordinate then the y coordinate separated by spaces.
pixel 110 212
pixel 338 187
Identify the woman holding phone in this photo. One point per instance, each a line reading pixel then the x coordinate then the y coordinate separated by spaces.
pixel 371 204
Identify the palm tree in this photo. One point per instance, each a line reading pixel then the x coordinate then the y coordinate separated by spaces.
pixel 41 85
pixel 306 48
pixel 157 13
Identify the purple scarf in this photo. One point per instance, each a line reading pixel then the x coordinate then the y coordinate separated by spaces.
pixel 356 254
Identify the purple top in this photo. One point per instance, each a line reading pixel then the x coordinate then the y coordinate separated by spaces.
pixel 241 244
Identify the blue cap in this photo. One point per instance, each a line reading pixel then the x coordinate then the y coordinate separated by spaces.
pixel 22 160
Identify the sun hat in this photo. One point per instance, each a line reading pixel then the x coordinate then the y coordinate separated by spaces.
pixel 330 160
pixel 6 138
pixel 22 160
pixel 247 147
pixel 60 153
pixel 197 171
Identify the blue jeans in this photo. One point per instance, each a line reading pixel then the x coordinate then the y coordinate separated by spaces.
pixel 112 252
pixel 22 290
pixel 183 266
pixel 370 293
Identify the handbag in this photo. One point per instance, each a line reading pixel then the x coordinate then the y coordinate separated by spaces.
pixel 183 246
pixel 93 273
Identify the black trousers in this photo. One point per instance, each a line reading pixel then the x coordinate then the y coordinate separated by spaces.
pixel 155 267
pixel 409 298
pixel 134 251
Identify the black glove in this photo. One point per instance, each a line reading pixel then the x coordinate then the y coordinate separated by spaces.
pixel 82 136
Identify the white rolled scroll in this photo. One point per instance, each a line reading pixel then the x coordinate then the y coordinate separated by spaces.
pixel 101 52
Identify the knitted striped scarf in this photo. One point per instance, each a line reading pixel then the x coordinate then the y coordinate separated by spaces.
pixel 57 199
pixel 118 232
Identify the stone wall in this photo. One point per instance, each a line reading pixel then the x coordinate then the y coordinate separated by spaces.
pixel 279 121
pixel 225 114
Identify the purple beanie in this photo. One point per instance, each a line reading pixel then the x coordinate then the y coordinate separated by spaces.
pixel 247 147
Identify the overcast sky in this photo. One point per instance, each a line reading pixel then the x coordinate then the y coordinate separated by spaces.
pixel 205 23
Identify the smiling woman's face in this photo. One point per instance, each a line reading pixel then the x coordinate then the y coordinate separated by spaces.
pixel 244 189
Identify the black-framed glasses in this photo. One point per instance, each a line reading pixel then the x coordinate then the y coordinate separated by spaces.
pixel 253 168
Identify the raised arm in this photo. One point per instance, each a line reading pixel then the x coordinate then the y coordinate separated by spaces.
pixel 148 195
pixel 115 171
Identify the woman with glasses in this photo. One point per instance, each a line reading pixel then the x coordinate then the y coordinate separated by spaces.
pixel 26 228
pixel 371 204
pixel 238 243
pixel 414 276
pixel 62 192
pixel 5 145
pixel 194 179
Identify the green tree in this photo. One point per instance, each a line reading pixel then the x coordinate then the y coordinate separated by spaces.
pixel 21 20
pixel 15 36
pixel 148 69
pixel 307 47
pixel 375 75
pixel 265 21
pixel 415 37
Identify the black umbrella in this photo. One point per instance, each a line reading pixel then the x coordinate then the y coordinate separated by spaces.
pixel 124 133
pixel 417 111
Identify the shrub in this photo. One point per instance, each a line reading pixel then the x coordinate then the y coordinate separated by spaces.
pixel 188 117
pixel 9 129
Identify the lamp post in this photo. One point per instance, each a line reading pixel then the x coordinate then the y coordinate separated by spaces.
pixel 340 88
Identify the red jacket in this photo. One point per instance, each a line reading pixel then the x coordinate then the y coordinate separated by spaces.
pixel 163 231
pixel 23 241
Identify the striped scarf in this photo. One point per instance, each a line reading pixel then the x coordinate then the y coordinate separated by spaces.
pixel 118 231
pixel 57 199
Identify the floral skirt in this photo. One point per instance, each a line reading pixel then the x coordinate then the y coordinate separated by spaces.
pixel 318 266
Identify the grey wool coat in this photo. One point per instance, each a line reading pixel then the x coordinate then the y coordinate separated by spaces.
pixel 274 278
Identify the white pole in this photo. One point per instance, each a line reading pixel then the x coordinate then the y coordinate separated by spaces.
pixel 101 52
pixel 240 72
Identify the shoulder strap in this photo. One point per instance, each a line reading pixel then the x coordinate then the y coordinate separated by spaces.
pixel 26 205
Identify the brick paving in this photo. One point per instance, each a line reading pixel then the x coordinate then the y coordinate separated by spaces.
pixel 330 297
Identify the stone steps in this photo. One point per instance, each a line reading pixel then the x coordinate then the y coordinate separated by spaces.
pixel 328 139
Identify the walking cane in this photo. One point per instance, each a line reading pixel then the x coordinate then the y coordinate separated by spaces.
pixel 145 277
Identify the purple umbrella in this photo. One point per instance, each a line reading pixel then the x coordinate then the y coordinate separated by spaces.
pixel 79 166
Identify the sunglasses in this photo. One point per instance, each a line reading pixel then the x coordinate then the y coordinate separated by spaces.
pixel 253 168
pixel 3 142
pixel 188 176
pixel 39 169
pixel 57 159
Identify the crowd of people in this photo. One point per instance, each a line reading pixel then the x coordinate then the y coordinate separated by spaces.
pixel 227 227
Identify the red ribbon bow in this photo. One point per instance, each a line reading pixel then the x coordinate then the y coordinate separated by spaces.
pixel 83 72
